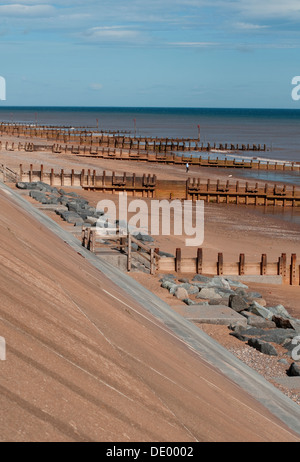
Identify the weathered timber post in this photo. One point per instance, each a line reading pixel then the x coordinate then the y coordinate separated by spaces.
pixel 129 253
pixel 220 264
pixel 199 261
pixel 52 177
pixel 30 173
pixel 242 264
pixel 263 265
pixel 152 261
pixel 178 260
pixel 293 270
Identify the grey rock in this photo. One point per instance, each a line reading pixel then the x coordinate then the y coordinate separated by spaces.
pixel 224 292
pixel 193 290
pixel 165 254
pixel 295 323
pixel 240 291
pixel 220 282
pixel 219 301
pixel 188 301
pixel 200 278
pixel 283 323
pixel 21 185
pixel 264 347
pixel 237 303
pixel 181 293
pixel 168 284
pixel 259 310
pixel 278 335
pixel 144 237
pixel 279 310
pixel 254 331
pixel 237 284
pixel 167 276
pixel 209 293
pixel 253 295
pixel 258 321
pixel 240 336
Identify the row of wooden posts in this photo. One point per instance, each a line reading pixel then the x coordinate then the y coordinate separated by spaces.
pixel 289 272
pixel 119 141
pixel 154 157
pixel 149 186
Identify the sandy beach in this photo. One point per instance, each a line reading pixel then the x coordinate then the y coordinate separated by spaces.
pixel 229 229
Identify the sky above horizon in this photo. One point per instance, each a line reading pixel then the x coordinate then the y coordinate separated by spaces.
pixel 166 53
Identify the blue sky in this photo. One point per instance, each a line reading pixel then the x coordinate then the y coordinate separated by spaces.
pixel 191 53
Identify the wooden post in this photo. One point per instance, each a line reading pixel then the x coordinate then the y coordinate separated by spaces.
pixel 263 265
pixel 52 177
pixel 129 253
pixel 199 261
pixel 152 261
pixel 178 261
pixel 283 265
pixel 30 173
pixel 242 264
pixel 220 264
pixel 82 177
pixel 42 173
pixel 72 177
pixel 293 270
pixel 21 172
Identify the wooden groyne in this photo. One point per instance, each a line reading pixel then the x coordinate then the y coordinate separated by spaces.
pixel 94 138
pixel 224 192
pixel 151 157
pixel 286 270
pixel 150 186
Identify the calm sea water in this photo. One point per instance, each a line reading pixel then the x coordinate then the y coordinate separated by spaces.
pixel 277 128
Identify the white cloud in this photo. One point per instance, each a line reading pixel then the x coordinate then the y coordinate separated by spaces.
pixel 248 26
pixel 270 8
pixel 19 10
pixel 112 33
pixel 194 44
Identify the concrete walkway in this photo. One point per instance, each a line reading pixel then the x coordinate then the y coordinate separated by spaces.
pixel 264 392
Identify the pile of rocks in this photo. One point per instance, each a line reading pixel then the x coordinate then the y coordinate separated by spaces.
pixel 69 206
pixel 76 210
pixel 266 326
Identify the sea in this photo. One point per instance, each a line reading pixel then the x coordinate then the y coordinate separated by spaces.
pixel 278 129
